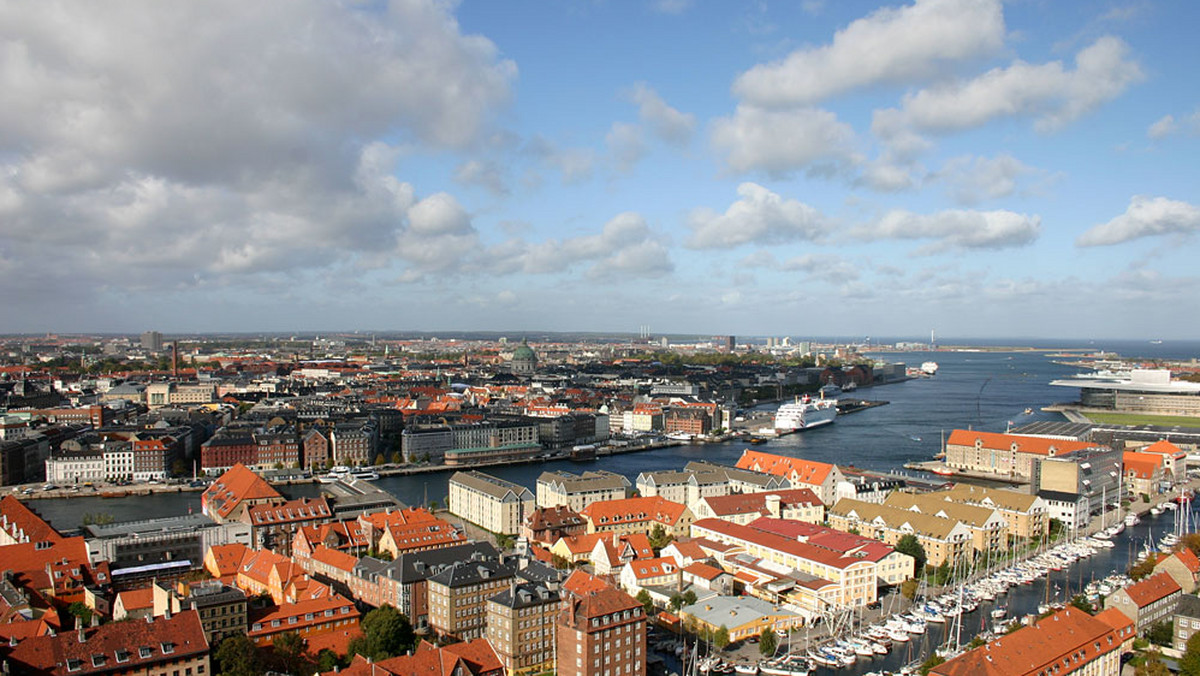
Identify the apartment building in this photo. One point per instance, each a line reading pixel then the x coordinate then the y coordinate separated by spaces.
pixel 944 540
pixel 684 486
pixel 494 504
pixel 799 504
pixel 520 626
pixel 1067 642
pixel 458 596
pixel 821 478
pixel 853 565
pixel 989 528
pixel 601 630
pixel 576 491
pixel 740 480
pixel 221 607
pixel 637 515
pixel 1147 602
pixel 1028 516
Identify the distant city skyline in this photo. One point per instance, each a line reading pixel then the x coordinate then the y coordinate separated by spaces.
pixel 978 167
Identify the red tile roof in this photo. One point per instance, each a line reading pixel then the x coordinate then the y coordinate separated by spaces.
pixel 1022 444
pixel 1141 465
pixel 23 524
pixel 292 511
pixel 633 510
pixel 235 486
pixel 227 559
pixel 804 550
pixel 1164 447
pixel 1118 620
pixel 475 657
pixel 796 469
pixel 824 537
pixel 1189 559
pixel 137 599
pixel 334 558
pixel 704 571
pixel 1060 643
pixel 590 596
pixel 117 647
pixel 650 568
pixel 260 621
pixel 1152 589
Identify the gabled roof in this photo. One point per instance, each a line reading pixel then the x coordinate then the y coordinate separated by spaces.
pixel 643 569
pixel 634 510
pixel 1141 465
pixel 1152 589
pixel 1059 643
pixel 334 558
pixel 796 469
pixel 237 485
pixel 290 512
pixel 23 524
pixel 747 503
pixel 704 571
pixel 227 558
pixel 1164 447
pixel 791 546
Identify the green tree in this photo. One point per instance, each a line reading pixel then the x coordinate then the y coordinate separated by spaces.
pixel 505 542
pixel 643 597
pixel 379 459
pixel 1081 602
pixel 659 537
pixel 911 546
pixel 327 660
pixel 237 656
pixel 289 649
pixel 933 661
pixel 397 458
pixel 676 602
pixel 1142 569
pixel 1153 666
pixel 178 468
pixel 386 633
pixel 909 588
pixel 83 614
pixel 1192 542
pixel 768 642
pixel 689 598
pixel 1189 664
pixel 721 638
pixel 1161 632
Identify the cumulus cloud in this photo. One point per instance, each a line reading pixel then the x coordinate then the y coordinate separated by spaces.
pixel 625 246
pixel 782 142
pixel 182 144
pixel 483 173
pixel 973 179
pixel 1051 93
pixel 827 267
pixel 1145 217
pixel 891 45
pixel 1163 127
pixel 667 123
pixel 759 217
pixel 956 228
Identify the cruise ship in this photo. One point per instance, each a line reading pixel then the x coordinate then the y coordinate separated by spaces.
pixel 803 414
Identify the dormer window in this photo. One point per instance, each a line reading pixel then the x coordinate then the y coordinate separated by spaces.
pixel 98 660
pixel 74 664
pixel 122 656
pixel 144 652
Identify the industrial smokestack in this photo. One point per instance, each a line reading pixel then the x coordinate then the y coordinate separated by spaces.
pixel 175 359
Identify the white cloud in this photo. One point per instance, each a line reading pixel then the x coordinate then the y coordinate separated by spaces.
pixel 892 45
pixel 827 267
pixel 781 142
pixel 973 179
pixel 625 246
pixel 885 175
pixel 759 217
pixel 574 164
pixel 1165 126
pixel 671 6
pixel 1049 93
pixel 483 173
pixel 189 144
pixel 1145 217
pixel 956 228
pixel 666 122
pixel 626 144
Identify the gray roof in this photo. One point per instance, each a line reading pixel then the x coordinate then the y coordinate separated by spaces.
pixel 150 527
pixel 409 568
pixel 526 595
pixel 463 573
pixel 1188 606
pixel 732 611
pixel 585 481
pixel 486 483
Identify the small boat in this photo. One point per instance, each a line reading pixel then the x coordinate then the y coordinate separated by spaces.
pixel 365 475
pixel 746 669
pixel 999 613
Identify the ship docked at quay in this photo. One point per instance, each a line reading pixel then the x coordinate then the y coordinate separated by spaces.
pixel 805 413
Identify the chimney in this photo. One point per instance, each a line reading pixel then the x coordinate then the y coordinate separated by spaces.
pixel 175 359
pixel 82 638
pixel 773 505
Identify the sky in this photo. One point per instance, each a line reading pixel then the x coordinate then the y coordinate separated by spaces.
pixel 805 168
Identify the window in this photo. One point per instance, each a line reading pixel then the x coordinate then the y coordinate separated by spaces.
pixel 144 652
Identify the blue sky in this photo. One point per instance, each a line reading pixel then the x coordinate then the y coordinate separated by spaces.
pixel 978 167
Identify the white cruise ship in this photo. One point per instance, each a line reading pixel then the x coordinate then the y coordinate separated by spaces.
pixel 929 367
pixel 803 414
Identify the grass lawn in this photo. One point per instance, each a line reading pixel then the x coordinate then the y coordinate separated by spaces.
pixel 1142 419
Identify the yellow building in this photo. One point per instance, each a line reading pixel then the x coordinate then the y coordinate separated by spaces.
pixel 942 539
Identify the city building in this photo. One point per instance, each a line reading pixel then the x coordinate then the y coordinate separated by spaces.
pixel 547 524
pixel 1186 621
pixel 637 515
pixel 601 630
pixel 988 527
pixel 520 626
pixel 799 504
pixel 472 658
pixel 466 443
pixel 1144 473
pixel 152 340
pixel 1092 473
pixel 221 607
pixel 1149 391
pixel 232 493
pixel 524 360
pixel 175 544
pixel 743 617
pixel 1027 515
pixel 1147 602
pixel 821 478
pixel 944 540
pixel 160 646
pixel 1007 455
pixel 273 524
pixel 576 491
pixel 1183 566
pixel 408 530
pixel 496 505
pixel 458 596
pixel 1067 642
